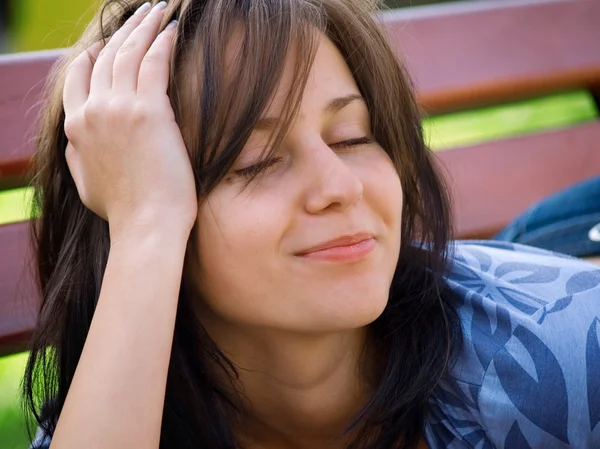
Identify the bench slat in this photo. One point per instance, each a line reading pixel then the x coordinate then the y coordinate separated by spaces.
pixel 495 181
pixel 21 83
pixel 478 54
pixel 18 297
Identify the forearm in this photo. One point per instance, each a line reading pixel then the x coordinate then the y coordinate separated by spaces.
pixel 116 397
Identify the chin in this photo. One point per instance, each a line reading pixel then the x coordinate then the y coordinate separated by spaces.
pixel 349 308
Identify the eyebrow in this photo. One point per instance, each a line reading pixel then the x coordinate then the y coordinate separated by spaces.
pixel 335 105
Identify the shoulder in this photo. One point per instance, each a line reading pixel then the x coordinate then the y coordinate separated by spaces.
pixel 527 372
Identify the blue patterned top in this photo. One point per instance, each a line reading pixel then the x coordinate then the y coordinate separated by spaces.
pixel 529 373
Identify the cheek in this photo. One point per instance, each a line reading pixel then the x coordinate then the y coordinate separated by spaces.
pixel 236 237
pixel 383 192
pixel 231 225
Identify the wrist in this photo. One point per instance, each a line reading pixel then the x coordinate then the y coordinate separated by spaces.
pixel 137 233
pixel 151 219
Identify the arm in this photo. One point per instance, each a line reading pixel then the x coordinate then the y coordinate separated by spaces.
pixel 117 394
pixel 130 165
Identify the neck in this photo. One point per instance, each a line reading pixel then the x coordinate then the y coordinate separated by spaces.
pixel 297 390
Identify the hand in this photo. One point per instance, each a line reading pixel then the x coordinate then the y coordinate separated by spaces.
pixel 125 152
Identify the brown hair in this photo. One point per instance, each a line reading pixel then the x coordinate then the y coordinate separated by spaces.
pixel 418 331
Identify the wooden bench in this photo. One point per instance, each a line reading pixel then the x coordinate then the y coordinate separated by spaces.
pixel 462 56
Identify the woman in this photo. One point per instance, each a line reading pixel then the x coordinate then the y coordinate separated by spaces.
pixel 244 244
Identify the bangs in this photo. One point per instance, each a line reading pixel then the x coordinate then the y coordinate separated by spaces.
pixel 231 67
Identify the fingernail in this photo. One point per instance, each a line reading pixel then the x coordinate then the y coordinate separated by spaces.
pixel 144 8
pixel 172 24
pixel 159 6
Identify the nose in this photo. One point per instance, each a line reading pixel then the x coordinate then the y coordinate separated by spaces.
pixel 333 185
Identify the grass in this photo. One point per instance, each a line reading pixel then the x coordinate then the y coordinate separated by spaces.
pixel 471 127
pixel 14 205
pixel 43 24
pixel 13 434
pixel 441 132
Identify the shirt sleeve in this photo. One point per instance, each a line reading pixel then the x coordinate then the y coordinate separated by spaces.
pixel 40 441
pixel 528 375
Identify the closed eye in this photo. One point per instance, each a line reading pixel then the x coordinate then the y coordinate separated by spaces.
pixel 352 142
pixel 256 169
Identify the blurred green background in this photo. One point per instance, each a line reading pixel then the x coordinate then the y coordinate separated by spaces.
pixel 42 24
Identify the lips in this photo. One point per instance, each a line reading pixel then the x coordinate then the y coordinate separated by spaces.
pixel 343 241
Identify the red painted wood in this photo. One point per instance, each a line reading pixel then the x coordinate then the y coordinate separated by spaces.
pixel 493 182
pixel 18 297
pixel 21 83
pixel 473 54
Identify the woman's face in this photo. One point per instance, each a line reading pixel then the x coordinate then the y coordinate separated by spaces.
pixel 261 248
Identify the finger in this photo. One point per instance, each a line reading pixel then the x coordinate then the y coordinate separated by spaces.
pixel 155 68
pixel 129 57
pixel 101 81
pixel 77 79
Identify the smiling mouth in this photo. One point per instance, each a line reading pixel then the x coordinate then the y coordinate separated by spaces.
pixel 345 249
